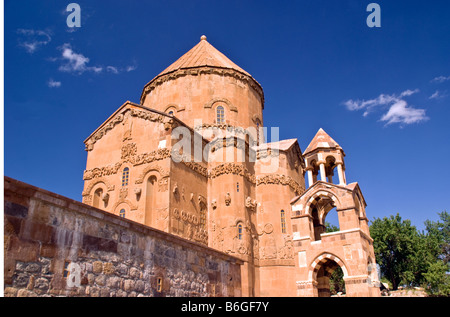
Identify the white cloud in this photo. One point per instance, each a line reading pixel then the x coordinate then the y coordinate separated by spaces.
pixel 398 110
pixel 438 95
pixel 31 40
pixel 112 69
pixel 75 62
pixel 53 84
pixel 440 79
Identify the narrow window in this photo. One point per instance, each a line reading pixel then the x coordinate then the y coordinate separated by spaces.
pixel 171 112
pixel 283 222
pixel 257 133
pixel 220 115
pixel 237 187
pixel 125 176
pixel 122 213
pixel 159 284
pixel 240 231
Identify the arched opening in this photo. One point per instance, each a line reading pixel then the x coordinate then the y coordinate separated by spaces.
pixel 329 274
pixel 97 198
pixel 331 221
pixel 330 168
pixel 323 216
pixel 150 198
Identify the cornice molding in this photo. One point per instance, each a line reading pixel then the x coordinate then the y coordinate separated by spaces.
pixel 195 71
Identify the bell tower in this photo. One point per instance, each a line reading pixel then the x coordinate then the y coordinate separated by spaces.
pixel 320 252
pixel 323 158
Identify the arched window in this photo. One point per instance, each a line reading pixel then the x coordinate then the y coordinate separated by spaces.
pixel 125 176
pixel 122 213
pixel 220 115
pixel 170 112
pixel 240 231
pixel 237 187
pixel 283 221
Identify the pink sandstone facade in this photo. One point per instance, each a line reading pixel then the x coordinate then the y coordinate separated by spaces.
pixel 166 164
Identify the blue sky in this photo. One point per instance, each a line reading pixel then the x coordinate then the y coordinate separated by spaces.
pixel 382 93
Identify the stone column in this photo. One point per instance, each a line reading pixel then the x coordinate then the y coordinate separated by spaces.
pixel 341 174
pixel 310 177
pixel 323 176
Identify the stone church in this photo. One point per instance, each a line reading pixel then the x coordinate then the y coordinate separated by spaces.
pixel 191 160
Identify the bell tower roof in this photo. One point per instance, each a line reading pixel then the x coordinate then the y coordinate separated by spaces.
pixel 321 140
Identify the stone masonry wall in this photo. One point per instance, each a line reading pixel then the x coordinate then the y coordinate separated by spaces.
pixel 55 246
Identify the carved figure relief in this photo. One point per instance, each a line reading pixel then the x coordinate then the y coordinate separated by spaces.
pixel 249 203
pixel 227 199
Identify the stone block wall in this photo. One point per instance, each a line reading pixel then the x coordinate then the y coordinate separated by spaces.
pixel 55 246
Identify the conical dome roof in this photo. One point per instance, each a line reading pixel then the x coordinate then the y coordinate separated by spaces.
pixel 202 54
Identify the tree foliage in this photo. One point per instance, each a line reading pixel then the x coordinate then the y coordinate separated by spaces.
pixel 409 257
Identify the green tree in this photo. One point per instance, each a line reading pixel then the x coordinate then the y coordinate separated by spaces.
pixel 438 233
pixel 437 280
pixel 396 244
pixel 436 277
pixel 330 227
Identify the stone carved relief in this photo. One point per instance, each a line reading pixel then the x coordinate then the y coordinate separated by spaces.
pixel 105 198
pixel 128 150
pixel 232 168
pixel 87 199
pixel 202 201
pixel 227 199
pixel 286 251
pixel 123 193
pixel 281 180
pixel 268 248
pixel 102 171
pixel 196 167
pixel 250 204
pixel 156 155
pixel 188 226
pixel 217 236
pixel 163 218
pixel 138 192
pixel 163 184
